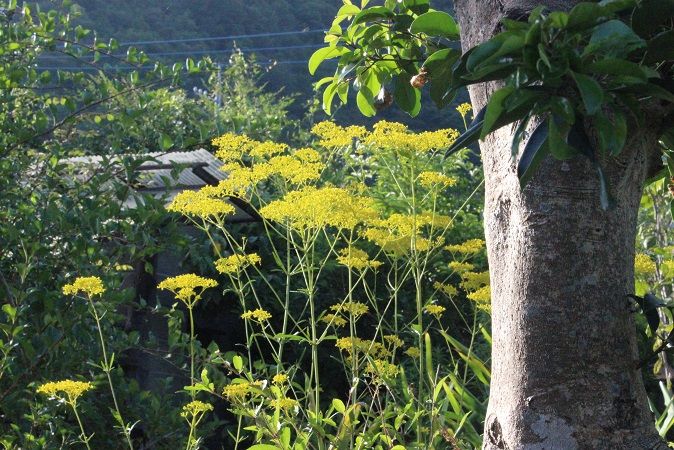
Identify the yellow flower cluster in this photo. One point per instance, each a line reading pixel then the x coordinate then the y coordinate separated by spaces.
pixel 355 258
pixel 395 234
pixel 293 169
pixel 195 408
pixel 267 149
pixel 371 348
pixel 469 247
pixel 381 370
pixel 464 108
pixel 72 389
pixel 413 352
pixel 458 266
pixel 239 391
pixel 231 146
pixel 235 263
pixel 200 204
pixel 187 287
pixel 482 298
pixel 394 340
pixel 395 136
pixel 307 155
pixel 472 281
pixel 356 309
pixel 317 208
pixel 644 265
pixel 333 136
pixel 336 320
pixel 446 289
pixel 435 310
pixel 435 179
pixel 280 378
pixel 258 315
pixel 88 285
pixel 283 403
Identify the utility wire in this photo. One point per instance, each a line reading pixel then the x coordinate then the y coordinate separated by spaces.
pixel 112 68
pixel 201 52
pixel 221 38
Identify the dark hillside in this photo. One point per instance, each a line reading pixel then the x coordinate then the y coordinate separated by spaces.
pixel 281 33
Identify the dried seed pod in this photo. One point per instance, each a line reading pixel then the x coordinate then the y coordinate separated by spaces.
pixel 419 80
pixel 383 100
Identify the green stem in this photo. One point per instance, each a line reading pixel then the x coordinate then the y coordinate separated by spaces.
pixel 107 370
pixel 192 392
pixel 83 436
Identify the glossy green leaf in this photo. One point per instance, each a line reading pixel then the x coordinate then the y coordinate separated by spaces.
pixel 165 142
pixel 322 54
pixel 590 91
pixel 618 67
pixel 533 154
pixel 328 96
pixel 436 23
pixel 495 108
pixel 557 140
pixel 374 13
pixel 407 97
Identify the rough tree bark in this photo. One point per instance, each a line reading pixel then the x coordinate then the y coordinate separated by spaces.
pixel 564 353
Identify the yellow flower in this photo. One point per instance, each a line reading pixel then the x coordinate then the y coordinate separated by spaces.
pixel 356 309
pixel 482 298
pixel 200 204
pixel 307 155
pixel 72 389
pixel 235 263
pixel 239 391
pixel 447 289
pixel 333 136
pixel 413 352
pixel 372 348
pixel 394 340
pixel 195 408
pixel 460 266
pixel 258 315
pixel 187 287
pixel 336 320
pixel 395 136
pixel 89 285
pixel 380 370
pixel 432 179
pixel 464 108
pixel 473 281
pixel 644 265
pixel 267 149
pixel 467 248
pixel 294 170
pixel 280 378
pixel 435 310
pixel 355 258
pixel 230 146
pixel 283 403
pixel 316 208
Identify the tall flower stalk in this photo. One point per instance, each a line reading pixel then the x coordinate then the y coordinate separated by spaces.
pixel 93 287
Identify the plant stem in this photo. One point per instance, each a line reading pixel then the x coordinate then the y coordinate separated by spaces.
pixel 83 436
pixel 192 392
pixel 107 369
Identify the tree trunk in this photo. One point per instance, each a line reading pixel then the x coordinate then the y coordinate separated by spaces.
pixel 564 359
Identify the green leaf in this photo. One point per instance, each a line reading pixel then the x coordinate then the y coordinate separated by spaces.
pixel 237 362
pixel 165 142
pixel 436 23
pixel 590 91
pixel 338 405
pixel 328 96
pixel 557 141
pixel 612 134
pixel 322 54
pixel 365 102
pixel 405 96
pixel 533 154
pixel 613 38
pixel 618 67
pixel 605 198
pixel 263 447
pixel 495 108
pixel 584 15
pixel 369 14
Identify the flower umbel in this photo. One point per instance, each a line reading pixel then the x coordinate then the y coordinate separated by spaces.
pixel 72 389
pixel 187 287
pixel 88 285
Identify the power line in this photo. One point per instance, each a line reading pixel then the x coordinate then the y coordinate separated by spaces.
pixel 221 38
pixel 201 52
pixel 112 68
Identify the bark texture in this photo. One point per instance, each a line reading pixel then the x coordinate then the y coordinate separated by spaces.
pixel 564 364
